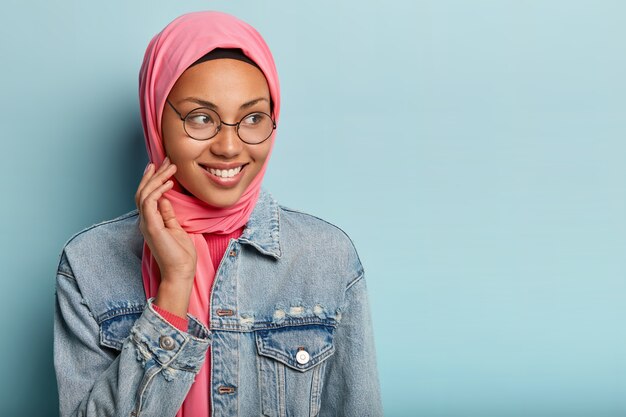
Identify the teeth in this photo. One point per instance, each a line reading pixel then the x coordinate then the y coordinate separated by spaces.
pixel 225 173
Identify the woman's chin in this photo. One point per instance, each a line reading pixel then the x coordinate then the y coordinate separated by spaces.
pixel 220 198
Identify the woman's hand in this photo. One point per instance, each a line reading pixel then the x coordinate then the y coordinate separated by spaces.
pixel 170 245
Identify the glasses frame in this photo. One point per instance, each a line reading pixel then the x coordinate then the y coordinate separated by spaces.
pixel 221 122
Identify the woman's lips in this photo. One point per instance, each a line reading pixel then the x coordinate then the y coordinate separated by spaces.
pixel 226 177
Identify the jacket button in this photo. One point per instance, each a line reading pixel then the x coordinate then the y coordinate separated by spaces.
pixel 226 390
pixel 225 312
pixel 302 357
pixel 167 343
pixel 233 253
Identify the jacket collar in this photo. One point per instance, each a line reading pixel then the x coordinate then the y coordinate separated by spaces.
pixel 263 228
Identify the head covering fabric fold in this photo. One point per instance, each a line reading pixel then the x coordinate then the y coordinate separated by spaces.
pixel 179 45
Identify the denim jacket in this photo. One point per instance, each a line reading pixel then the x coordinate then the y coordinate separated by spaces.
pixel 290 330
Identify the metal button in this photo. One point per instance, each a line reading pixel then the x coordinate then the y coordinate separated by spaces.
pixel 302 357
pixel 233 253
pixel 226 390
pixel 225 312
pixel 167 343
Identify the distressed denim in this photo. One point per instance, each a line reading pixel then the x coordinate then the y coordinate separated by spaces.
pixel 290 330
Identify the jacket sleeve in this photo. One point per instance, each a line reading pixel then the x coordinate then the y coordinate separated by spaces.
pixel 149 377
pixel 351 387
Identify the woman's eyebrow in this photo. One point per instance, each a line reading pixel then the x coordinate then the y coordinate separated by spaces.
pixel 253 102
pixel 205 103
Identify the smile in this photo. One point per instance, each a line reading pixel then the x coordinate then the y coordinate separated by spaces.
pixel 225 173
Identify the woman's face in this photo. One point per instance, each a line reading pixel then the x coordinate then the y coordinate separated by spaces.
pixel 234 89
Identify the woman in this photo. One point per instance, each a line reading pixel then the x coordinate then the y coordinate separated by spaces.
pixel 211 299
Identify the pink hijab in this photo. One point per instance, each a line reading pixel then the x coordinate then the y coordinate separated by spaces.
pixel 169 54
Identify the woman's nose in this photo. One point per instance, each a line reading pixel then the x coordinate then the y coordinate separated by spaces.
pixel 226 143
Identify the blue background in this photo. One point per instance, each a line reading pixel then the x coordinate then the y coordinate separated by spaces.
pixel 473 150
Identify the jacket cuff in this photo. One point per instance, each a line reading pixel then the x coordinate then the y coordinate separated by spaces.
pixel 155 338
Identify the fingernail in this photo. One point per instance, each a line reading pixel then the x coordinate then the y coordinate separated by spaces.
pixel 147 167
pixel 166 160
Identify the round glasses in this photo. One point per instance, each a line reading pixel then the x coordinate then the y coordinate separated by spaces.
pixel 203 123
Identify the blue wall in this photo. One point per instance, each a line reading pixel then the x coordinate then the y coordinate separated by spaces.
pixel 474 150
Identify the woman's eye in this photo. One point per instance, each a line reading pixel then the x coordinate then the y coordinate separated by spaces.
pixel 200 119
pixel 253 119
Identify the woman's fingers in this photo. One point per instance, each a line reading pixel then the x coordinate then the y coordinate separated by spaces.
pixel 149 207
pixel 172 248
pixel 167 213
pixel 152 181
pixel 147 173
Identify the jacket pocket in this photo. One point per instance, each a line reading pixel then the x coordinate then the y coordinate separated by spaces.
pixel 116 323
pixel 291 367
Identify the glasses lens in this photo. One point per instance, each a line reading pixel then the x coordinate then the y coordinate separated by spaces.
pixel 255 127
pixel 202 123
